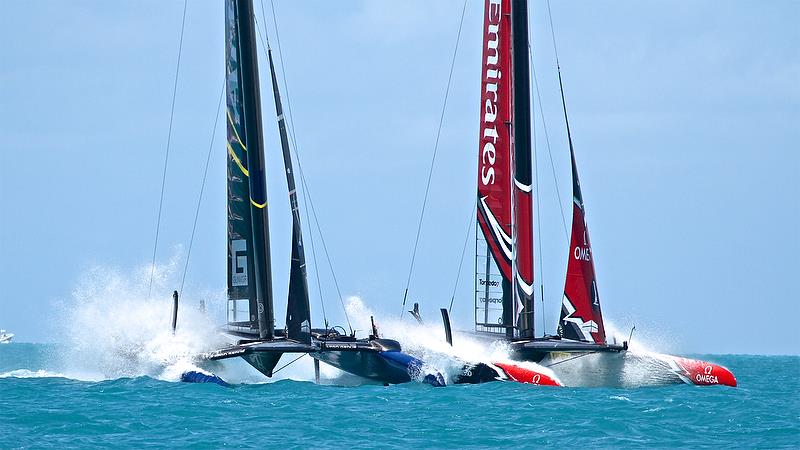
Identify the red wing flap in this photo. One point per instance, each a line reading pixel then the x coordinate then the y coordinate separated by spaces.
pixel 494 144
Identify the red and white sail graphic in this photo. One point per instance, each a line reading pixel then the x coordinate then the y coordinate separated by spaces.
pixel 581 318
pixel 494 165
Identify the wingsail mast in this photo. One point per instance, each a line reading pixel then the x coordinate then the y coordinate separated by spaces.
pixel 504 256
pixel 250 274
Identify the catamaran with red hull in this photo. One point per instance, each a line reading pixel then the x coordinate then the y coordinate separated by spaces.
pixel 504 283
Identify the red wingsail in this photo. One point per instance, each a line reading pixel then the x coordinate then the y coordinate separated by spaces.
pixel 494 169
pixel 523 201
pixel 581 318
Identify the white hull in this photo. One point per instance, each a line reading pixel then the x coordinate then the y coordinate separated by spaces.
pixel 606 369
pixel 630 369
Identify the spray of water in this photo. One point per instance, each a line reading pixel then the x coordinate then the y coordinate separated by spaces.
pixel 426 341
pixel 637 367
pixel 112 329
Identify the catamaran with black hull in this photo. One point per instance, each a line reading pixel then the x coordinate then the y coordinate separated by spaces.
pixel 251 318
pixel 504 282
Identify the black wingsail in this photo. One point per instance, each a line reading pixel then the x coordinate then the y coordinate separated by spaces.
pixel 298 312
pixel 249 277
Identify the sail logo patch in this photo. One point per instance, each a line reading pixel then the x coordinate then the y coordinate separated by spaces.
pixel 581 327
pixel 492 283
pixel 492 77
pixel 239 262
pixel 582 253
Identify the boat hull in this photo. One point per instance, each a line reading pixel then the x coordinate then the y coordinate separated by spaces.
pixel 697 372
pixel 197 376
pixel 262 355
pixel 363 358
pixel 631 369
pixel 538 350
pixel 521 374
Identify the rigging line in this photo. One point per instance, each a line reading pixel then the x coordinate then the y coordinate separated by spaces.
pixel 314 256
pixel 289 363
pixel 264 19
pixel 463 251
pixel 538 215
pixel 549 151
pixel 327 255
pixel 307 198
pixel 552 33
pixel 433 160
pixel 560 83
pixel 166 156
pixel 300 170
pixel 203 185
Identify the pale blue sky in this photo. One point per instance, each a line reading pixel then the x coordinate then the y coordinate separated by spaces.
pixel 685 117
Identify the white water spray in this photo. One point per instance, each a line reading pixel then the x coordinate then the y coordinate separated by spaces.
pixel 427 342
pixel 112 329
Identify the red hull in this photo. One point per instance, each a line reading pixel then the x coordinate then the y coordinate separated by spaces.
pixel 701 373
pixel 525 375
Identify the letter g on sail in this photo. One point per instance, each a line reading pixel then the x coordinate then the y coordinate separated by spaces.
pixel 239 262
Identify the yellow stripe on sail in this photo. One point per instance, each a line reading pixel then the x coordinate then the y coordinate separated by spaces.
pixel 257 205
pixel 237 160
pixel 235 131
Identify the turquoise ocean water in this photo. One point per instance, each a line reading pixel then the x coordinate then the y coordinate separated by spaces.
pixel 42 407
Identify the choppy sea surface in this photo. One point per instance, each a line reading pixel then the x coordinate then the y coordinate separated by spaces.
pixel 42 404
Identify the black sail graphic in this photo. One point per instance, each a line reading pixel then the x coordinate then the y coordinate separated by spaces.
pixel 249 276
pixel 298 312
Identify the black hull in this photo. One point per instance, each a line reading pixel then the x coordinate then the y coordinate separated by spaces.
pixel 262 355
pixel 362 358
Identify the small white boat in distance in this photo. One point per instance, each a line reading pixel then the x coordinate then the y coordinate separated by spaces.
pixel 5 337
